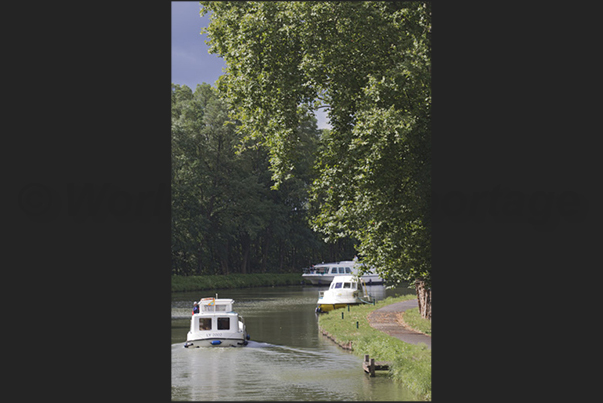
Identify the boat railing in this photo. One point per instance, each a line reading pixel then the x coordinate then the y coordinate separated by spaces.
pixel 367 298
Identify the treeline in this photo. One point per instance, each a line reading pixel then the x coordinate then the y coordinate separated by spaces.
pixel 226 217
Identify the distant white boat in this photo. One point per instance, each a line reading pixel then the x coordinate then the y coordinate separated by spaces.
pixel 216 324
pixel 344 290
pixel 324 273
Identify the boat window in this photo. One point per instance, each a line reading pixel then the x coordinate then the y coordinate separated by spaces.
pixel 223 323
pixel 346 285
pixel 204 323
pixel 333 270
pixel 347 270
pixel 342 270
pixel 221 308
pixel 354 286
pixel 337 285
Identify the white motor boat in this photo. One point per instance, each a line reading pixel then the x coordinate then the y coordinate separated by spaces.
pixel 344 290
pixel 324 273
pixel 216 324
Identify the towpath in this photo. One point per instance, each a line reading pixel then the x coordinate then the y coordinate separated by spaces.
pixel 385 319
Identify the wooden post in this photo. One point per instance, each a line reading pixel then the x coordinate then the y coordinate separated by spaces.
pixel 366 358
pixel 372 367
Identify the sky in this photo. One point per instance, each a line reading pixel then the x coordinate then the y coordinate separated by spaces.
pixel 192 63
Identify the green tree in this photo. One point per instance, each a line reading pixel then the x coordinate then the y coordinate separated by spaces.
pixel 226 218
pixel 368 64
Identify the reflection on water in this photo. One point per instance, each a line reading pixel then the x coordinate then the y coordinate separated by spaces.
pixel 286 359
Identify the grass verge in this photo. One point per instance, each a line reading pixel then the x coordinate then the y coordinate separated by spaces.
pixel 413 319
pixel 411 364
pixel 197 283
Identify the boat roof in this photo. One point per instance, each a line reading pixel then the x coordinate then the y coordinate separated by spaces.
pixel 340 279
pixel 342 263
pixel 216 300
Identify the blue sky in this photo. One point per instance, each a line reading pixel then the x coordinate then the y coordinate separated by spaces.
pixel 192 64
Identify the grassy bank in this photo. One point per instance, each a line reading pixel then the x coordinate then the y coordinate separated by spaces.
pixel 411 364
pixel 412 318
pixel 197 283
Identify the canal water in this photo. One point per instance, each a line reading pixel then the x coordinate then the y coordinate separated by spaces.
pixel 286 359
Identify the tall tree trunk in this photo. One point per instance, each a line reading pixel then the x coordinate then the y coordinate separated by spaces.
pixel 424 298
pixel 199 261
pixel 245 241
pixel 265 252
pixel 246 245
pixel 281 252
pixel 224 259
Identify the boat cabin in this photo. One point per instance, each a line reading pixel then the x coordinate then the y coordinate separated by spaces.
pixel 227 322
pixel 216 314
pixel 345 283
pixel 216 324
pixel 329 269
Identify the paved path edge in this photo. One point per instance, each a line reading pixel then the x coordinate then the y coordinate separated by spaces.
pixel 384 319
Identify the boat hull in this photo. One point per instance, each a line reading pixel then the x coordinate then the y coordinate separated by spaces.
pixel 215 342
pixel 317 279
pixel 330 307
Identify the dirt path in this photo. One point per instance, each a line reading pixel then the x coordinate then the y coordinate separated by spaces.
pixel 386 320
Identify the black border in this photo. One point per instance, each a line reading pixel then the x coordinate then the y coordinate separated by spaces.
pixel 515 90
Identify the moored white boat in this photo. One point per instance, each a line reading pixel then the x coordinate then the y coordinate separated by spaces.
pixel 324 273
pixel 344 290
pixel 216 324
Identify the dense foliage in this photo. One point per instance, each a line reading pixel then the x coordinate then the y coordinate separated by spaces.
pixel 225 216
pixel 368 63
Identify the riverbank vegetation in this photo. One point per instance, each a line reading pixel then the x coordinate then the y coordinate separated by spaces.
pixel 412 318
pixel 368 178
pixel 214 282
pixel 226 218
pixel 410 364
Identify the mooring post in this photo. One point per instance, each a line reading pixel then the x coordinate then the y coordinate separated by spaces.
pixel 342 315
pixel 366 358
pixel 372 367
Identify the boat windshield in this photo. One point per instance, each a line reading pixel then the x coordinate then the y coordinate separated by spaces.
pixel 338 285
pixel 346 285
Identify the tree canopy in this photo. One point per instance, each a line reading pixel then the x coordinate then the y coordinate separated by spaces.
pixel 225 216
pixel 368 63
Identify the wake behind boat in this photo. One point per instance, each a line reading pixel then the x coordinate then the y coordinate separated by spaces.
pixel 216 324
